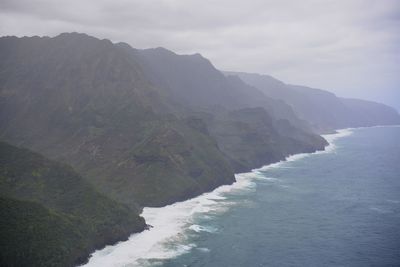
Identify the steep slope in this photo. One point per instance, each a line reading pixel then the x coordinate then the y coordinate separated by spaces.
pixel 192 81
pixel 85 102
pixel 50 216
pixel 233 111
pixel 370 113
pixel 323 110
pixel 251 138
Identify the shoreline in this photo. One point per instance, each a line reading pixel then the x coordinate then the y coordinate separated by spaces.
pixel 169 222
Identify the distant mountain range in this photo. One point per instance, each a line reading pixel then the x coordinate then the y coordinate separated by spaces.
pixel 323 110
pixel 143 128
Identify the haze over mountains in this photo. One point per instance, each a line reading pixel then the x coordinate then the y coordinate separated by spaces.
pixel 144 128
pixel 322 109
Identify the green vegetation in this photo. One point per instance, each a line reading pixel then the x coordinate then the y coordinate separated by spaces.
pixel 250 138
pixel 170 161
pixel 32 235
pixel 50 216
pixel 87 103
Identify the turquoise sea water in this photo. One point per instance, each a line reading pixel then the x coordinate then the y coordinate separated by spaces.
pixel 338 208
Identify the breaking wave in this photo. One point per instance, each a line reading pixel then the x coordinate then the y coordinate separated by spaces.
pixel 172 225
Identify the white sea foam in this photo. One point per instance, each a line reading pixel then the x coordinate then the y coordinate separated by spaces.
pixel 199 228
pixel 204 249
pixel 171 224
pixel 330 138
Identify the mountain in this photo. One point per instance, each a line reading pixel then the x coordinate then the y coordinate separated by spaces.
pixel 250 128
pixel 323 110
pixel 51 216
pixel 369 113
pixel 85 102
pixel 251 138
pixel 193 82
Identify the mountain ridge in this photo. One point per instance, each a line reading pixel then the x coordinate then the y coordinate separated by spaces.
pixel 81 92
pixel 323 109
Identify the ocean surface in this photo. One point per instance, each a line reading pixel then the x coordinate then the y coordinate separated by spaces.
pixel 340 207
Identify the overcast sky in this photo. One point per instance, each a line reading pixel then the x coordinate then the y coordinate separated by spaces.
pixel 350 47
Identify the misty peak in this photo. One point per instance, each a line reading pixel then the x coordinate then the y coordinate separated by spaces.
pixel 80 38
pixel 159 51
pixel 75 35
pixel 124 45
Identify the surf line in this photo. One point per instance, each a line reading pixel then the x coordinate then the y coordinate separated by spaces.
pixel 170 224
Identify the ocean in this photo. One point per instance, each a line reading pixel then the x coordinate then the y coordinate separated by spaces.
pixel 338 207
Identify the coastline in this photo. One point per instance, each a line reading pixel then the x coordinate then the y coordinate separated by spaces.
pixel 169 223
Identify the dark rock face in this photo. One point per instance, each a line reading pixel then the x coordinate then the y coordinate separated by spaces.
pixel 51 216
pixel 323 110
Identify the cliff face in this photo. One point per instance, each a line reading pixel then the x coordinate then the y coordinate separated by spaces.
pixel 251 138
pixel 51 216
pixel 249 127
pixel 193 82
pixel 369 113
pixel 323 110
pixel 83 101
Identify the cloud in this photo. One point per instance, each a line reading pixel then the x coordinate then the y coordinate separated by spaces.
pixel 346 46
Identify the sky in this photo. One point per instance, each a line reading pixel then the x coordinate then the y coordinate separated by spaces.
pixel 349 47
